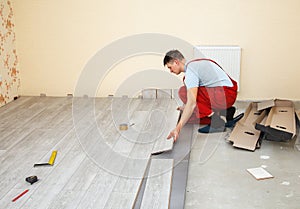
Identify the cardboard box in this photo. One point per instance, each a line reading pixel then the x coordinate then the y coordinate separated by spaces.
pixel 280 123
pixel 271 120
pixel 298 115
pixel 244 135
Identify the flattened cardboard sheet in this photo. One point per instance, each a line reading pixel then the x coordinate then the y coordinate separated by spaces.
pixel 280 124
pixel 244 135
pixel 298 114
pixel 265 104
pixel 251 115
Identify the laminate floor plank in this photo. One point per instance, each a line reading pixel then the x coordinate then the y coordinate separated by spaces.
pixel 14 106
pixel 72 193
pixel 158 186
pixel 30 144
pixel 106 155
pixel 21 117
pixel 52 114
pixel 130 173
pixel 127 187
pixel 120 200
pixel 2 152
pixel 99 191
pixel 63 117
pixel 163 144
pixel 16 162
pixel 113 161
pixel 85 120
pixel 107 128
pixel 101 133
pixel 12 136
pixel 96 163
pixel 109 168
pixel 51 186
pixel 102 104
pixel 5 132
pixel 62 147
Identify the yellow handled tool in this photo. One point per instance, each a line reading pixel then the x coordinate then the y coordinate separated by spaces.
pixel 52 158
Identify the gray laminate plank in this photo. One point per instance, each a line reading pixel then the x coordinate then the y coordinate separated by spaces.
pixel 62 147
pixel 102 104
pixel 12 137
pixel 91 115
pixel 44 119
pixel 107 154
pixel 14 106
pixel 158 186
pixel 28 145
pixel 149 93
pixel 16 162
pixel 83 115
pixel 21 117
pixel 99 191
pixel 2 152
pixel 120 200
pixel 63 117
pixel 59 185
pixel 113 161
pixel 5 132
pixel 72 193
pixel 127 187
pixel 53 111
pixel 164 93
pixel 163 144
pixel 113 167
pixel 51 186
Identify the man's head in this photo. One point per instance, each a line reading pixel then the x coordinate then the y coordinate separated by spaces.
pixel 174 60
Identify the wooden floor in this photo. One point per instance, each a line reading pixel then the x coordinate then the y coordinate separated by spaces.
pixel 97 165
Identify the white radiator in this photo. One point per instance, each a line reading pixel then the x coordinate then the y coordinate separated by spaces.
pixel 229 57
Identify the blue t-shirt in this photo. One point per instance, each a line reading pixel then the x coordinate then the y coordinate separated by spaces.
pixel 205 73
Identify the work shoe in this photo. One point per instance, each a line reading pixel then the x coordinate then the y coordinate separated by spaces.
pixel 231 123
pixel 228 113
pixel 217 125
pixel 209 129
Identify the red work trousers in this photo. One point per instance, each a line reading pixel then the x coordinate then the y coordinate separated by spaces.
pixel 210 99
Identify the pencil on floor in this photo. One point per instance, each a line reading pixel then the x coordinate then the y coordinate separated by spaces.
pixel 20 195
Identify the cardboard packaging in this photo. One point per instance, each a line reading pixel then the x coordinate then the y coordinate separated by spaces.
pixel 280 123
pixel 270 120
pixel 244 135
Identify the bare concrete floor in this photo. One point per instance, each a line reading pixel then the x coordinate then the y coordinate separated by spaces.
pixel 218 178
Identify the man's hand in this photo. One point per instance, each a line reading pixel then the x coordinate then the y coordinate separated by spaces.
pixel 186 114
pixel 174 134
pixel 180 108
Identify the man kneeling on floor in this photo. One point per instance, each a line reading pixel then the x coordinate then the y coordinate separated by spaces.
pixel 208 94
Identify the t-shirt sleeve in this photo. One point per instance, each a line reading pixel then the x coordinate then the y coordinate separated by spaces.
pixel 191 80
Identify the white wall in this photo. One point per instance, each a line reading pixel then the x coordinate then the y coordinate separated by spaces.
pixel 55 40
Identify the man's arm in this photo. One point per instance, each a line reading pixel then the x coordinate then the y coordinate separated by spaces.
pixel 187 112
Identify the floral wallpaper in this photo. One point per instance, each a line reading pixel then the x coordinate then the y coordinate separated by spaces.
pixel 9 72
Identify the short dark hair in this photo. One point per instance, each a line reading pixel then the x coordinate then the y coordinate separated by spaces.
pixel 172 55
